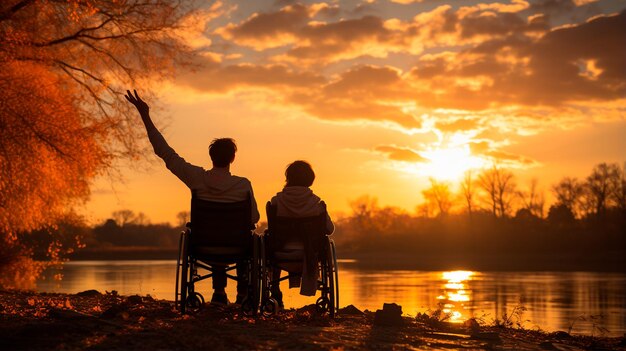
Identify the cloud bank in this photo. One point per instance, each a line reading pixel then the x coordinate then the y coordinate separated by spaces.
pixel 531 65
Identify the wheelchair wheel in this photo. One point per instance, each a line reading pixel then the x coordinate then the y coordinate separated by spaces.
pixel 269 307
pixel 250 304
pixel 322 305
pixel 182 272
pixel 264 294
pixel 329 277
pixel 335 274
pixel 195 301
pixel 178 264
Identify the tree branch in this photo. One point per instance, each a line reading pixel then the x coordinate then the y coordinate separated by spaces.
pixel 83 71
pixel 126 69
pixel 15 8
pixel 42 137
pixel 95 97
pixel 76 35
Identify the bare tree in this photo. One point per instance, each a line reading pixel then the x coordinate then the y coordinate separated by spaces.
pixel 141 219
pixel 424 210
pixel 468 190
pixel 488 182
pixel 364 209
pixel 568 192
pixel 533 200
pixel 619 194
pixel 183 217
pixel 601 184
pixel 506 192
pixel 439 196
pixel 123 217
pixel 499 185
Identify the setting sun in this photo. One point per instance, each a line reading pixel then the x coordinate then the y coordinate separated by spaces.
pixel 450 163
pixel 447 164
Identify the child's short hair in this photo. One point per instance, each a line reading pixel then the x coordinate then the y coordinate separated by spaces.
pixel 299 173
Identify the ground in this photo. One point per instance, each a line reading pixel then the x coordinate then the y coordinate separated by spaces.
pixel 94 321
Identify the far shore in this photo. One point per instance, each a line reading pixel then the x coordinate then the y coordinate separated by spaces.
pixel 545 261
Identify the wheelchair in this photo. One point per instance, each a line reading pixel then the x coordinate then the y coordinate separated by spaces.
pixel 307 235
pixel 219 234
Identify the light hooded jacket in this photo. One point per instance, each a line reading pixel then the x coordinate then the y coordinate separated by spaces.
pixel 216 184
pixel 299 201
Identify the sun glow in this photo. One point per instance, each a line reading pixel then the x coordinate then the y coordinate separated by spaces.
pixel 448 164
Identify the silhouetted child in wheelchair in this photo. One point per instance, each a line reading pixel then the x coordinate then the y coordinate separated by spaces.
pixel 297 241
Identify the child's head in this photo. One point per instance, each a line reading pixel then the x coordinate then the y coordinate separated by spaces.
pixel 299 173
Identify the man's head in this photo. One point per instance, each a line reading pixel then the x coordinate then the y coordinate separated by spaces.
pixel 299 173
pixel 222 152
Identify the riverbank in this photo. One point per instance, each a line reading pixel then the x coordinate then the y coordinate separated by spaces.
pixel 94 321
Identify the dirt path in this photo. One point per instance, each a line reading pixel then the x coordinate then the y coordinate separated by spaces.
pixel 94 321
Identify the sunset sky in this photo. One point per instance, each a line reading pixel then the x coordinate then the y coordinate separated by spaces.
pixel 381 95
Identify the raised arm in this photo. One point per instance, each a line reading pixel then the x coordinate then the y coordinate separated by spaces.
pixel 184 170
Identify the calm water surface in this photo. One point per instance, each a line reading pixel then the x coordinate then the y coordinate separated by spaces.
pixel 588 302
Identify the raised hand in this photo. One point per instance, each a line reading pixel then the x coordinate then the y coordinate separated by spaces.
pixel 141 105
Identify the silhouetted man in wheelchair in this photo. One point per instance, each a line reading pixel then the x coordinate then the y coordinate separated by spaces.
pixel 216 185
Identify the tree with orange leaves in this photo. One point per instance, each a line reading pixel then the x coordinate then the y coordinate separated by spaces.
pixel 62 119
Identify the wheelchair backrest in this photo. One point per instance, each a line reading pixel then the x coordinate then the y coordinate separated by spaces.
pixel 220 223
pixel 310 231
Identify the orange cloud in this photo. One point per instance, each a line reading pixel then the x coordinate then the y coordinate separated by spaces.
pixel 487 149
pixel 366 93
pixel 479 147
pixel 498 59
pixel 458 125
pixel 268 30
pixel 525 71
pixel 307 40
pixel 344 39
pixel 213 77
pixel 509 158
pixel 397 153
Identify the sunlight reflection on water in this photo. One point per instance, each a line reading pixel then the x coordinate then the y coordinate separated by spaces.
pixel 554 300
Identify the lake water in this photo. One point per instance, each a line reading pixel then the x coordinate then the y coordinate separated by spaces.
pixel 587 302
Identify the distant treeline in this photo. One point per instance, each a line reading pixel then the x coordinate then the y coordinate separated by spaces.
pixel 125 230
pixel 382 235
pixel 494 222
pixel 490 216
